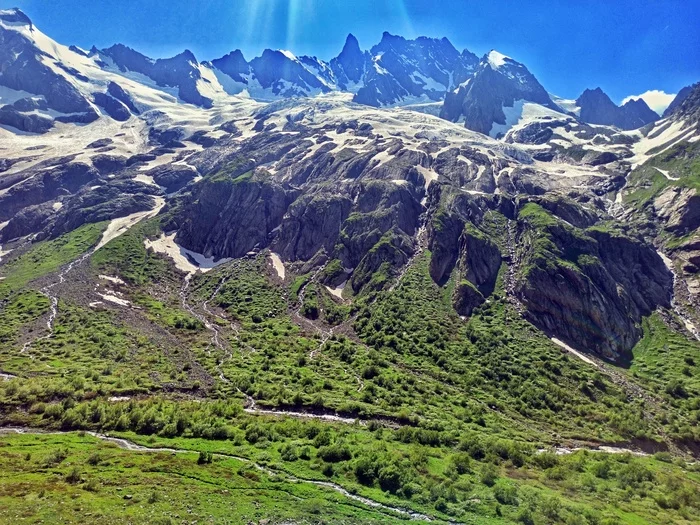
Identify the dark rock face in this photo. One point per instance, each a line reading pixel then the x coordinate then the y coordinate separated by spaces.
pixel 22 69
pixel 172 177
pixel 45 186
pixel 112 106
pixel 234 65
pixel 397 68
pixel 100 143
pixel 30 104
pixel 103 204
pixel 635 114
pixel 15 16
pixel 274 67
pixel 349 66
pixel 9 116
pixel 118 92
pixel 108 164
pixel 29 220
pixel 390 252
pixel 590 288
pixel 678 100
pixel 688 109
pixel 312 223
pixel 479 262
pixel 496 83
pixel 231 216
pixel 597 108
pixel 179 71
pixel 79 118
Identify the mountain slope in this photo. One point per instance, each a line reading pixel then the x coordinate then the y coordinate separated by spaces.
pixel 498 82
pixel 597 108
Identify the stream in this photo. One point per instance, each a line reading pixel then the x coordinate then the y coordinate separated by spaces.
pixel 125 444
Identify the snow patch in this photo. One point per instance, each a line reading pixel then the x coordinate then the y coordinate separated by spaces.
pixel 121 225
pixel 114 299
pixel 496 59
pixel 338 291
pixel 184 259
pixel 278 265
pixel 115 280
pixel 578 354
pixel 665 174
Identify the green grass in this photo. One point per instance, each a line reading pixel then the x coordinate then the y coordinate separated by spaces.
pixel 645 182
pixel 670 365
pixel 48 256
pixel 468 478
pixel 79 479
pixel 128 257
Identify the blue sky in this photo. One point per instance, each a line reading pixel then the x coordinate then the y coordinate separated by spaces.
pixel 626 47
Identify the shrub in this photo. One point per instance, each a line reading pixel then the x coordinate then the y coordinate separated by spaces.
pixel 488 474
pixel 289 452
pixel 546 460
pixel 205 457
pixel 334 453
pixel 73 476
pixel 462 462
pixel 633 474
pixel 365 470
pixel 505 493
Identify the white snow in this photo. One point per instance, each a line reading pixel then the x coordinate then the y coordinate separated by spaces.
pixel 496 59
pixel 338 291
pixel 578 354
pixel 288 54
pixel 146 179
pixel 523 113
pixel 428 174
pixel 115 280
pixel 114 299
pixel 566 104
pixel 278 265
pixel 429 84
pixel 119 226
pixel 57 206
pixel 3 252
pixel 664 133
pixel 184 259
pixel 665 174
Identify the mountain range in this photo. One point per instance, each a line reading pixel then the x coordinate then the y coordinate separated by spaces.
pixel 427 74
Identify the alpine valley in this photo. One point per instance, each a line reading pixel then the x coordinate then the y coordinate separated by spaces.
pixel 405 284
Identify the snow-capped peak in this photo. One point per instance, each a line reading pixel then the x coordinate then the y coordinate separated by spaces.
pixel 288 54
pixel 496 59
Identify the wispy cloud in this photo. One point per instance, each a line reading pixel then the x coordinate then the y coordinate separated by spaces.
pixel 656 99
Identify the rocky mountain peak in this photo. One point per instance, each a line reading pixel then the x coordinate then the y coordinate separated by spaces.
pixel 678 100
pixel 15 16
pixel 689 107
pixel 349 65
pixel 597 108
pixel 233 64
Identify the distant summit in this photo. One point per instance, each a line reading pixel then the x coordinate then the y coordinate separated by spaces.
pixel 597 108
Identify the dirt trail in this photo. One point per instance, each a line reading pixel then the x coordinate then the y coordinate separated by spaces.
pixel 125 444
